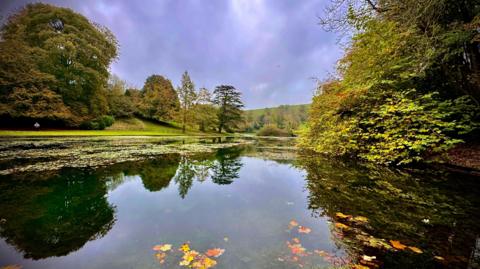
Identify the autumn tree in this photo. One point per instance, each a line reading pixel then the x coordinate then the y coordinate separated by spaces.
pixel 187 96
pixel 229 102
pixel 159 99
pixel 61 53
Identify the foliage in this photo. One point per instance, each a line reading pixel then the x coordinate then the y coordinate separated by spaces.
pixel 205 113
pixel 99 123
pixel 56 49
pixel 229 102
pixel 285 117
pixel 120 104
pixel 159 99
pixel 402 92
pixel 187 95
pixel 272 130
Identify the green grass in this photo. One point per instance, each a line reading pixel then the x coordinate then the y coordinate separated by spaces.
pixel 121 127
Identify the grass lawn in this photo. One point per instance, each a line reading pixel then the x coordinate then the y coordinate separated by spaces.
pixel 121 127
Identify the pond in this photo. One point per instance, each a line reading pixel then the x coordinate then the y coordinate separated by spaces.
pixel 225 203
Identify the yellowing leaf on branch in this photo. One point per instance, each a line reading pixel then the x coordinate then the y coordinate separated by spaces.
pixel 360 219
pixel 416 250
pixel 396 244
pixel 341 226
pixel 340 215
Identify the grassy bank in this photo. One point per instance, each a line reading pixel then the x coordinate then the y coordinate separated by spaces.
pixel 121 127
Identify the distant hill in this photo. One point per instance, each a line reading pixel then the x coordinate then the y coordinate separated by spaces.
pixel 284 117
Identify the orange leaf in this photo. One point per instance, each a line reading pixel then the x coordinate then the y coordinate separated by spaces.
pixel 396 244
pixel 214 252
pixel 304 230
pixel 293 223
pixel 296 240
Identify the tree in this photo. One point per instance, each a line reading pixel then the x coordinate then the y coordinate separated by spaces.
pixel 205 112
pixel 159 99
pixel 119 103
pixel 44 46
pixel 187 96
pixel 229 102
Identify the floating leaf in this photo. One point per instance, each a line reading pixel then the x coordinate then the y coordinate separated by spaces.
pixel 161 256
pixel 416 250
pixel 204 263
pixel 439 258
pixel 214 252
pixel 164 247
pixel 304 230
pixel 321 253
pixel 296 240
pixel 185 247
pixel 340 215
pixel 188 257
pixel 225 239
pixel 396 244
pixel 293 223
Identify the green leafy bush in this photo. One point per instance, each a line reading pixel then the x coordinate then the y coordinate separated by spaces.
pixel 272 130
pixel 99 123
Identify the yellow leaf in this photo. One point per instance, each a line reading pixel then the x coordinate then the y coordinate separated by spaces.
pixel 185 247
pixel 439 258
pixel 225 239
pixel 164 247
pixel 360 219
pixel 416 250
pixel 293 223
pixel 341 226
pixel 396 244
pixel 340 215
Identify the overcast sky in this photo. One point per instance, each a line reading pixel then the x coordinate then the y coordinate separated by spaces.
pixel 268 49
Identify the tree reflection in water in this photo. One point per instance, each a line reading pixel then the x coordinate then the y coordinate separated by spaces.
pixel 59 212
pixel 437 212
pixel 55 216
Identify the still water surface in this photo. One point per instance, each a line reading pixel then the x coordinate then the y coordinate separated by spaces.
pixel 248 200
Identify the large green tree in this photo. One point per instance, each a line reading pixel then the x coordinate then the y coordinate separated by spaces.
pixel 229 102
pixel 159 99
pixel 47 48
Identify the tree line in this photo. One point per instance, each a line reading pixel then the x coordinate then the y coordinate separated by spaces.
pixel 54 70
pixel 408 86
pixel 284 120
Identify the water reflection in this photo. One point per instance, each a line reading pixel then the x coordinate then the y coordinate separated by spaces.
pixel 434 211
pixel 54 214
pixel 53 217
